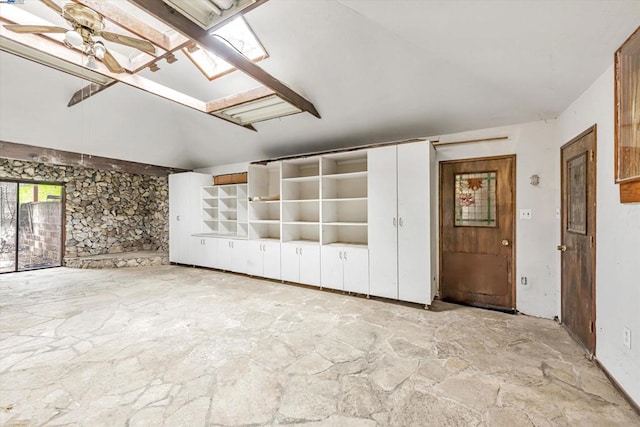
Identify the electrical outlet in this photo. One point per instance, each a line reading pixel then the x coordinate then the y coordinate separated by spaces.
pixel 626 338
pixel 523 280
pixel 525 213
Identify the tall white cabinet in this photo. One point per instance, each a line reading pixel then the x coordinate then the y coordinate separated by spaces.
pixel 184 213
pixel 399 222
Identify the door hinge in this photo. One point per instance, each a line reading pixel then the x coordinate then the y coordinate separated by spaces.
pixel 591 241
pixel 591 155
pixel 591 326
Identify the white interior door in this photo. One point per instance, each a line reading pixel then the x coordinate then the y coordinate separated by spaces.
pixel 272 260
pixel 356 270
pixel 414 241
pixel 332 270
pixel 383 230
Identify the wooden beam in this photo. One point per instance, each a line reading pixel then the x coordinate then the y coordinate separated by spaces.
pixel 93 89
pixel 239 98
pixel 129 22
pixel 220 48
pixel 31 153
pixel 87 92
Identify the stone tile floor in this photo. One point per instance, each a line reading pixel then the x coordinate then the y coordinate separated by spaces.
pixel 174 346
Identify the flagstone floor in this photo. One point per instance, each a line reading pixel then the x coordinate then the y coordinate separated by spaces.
pixel 178 346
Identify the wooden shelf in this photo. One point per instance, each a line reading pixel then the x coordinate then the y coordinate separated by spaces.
pixel 300 223
pixel 302 179
pixel 346 199
pixel 357 224
pixel 265 221
pixel 301 201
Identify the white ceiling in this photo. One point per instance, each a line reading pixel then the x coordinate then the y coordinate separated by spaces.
pixel 375 70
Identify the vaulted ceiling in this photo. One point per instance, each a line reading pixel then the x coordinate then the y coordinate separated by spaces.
pixel 375 70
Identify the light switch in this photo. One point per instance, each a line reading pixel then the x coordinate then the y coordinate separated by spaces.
pixel 525 213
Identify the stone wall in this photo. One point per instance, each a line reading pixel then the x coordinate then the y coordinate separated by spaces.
pixel 105 212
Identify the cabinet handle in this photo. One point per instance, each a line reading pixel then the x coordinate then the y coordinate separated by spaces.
pixel 297 251
pixel 400 222
pixel 232 245
pixel 177 217
pixel 394 222
pixel 300 251
pixel 340 254
pixel 345 255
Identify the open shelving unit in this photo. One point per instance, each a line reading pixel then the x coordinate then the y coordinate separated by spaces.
pixel 301 200
pixel 344 199
pixel 264 201
pixel 224 210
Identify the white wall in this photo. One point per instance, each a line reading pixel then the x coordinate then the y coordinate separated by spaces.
pixel 534 145
pixel 618 240
pixel 225 169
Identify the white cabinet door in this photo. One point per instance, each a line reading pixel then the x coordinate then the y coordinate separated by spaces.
pixel 210 253
pixel 332 270
pixel 413 223
pixel 239 256
pixel 224 260
pixel 255 258
pixel 198 251
pixel 383 231
pixel 356 269
pixel 179 228
pixel 271 252
pixel 290 262
pixel 309 264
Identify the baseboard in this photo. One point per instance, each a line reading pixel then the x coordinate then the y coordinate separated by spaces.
pixel 617 386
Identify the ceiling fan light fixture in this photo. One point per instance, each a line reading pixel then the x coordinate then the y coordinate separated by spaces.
pixel 91 62
pixel 73 38
pixel 99 49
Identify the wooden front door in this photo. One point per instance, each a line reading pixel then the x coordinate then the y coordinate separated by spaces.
pixel 477 232
pixel 578 237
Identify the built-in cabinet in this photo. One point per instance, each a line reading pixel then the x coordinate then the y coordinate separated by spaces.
pixel 301 263
pixel 354 221
pixel 399 224
pixel 184 213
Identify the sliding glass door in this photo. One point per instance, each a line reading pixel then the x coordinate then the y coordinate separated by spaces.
pixel 30 226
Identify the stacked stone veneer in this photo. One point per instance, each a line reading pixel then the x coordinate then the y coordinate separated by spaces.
pixel 106 212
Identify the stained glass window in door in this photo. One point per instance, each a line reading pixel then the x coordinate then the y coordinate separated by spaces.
pixel 475 199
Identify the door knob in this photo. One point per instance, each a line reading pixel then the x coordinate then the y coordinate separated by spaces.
pixel 561 248
pixel 505 242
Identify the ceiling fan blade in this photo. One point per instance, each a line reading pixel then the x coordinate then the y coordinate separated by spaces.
pixel 53 6
pixel 35 29
pixel 111 63
pixel 139 44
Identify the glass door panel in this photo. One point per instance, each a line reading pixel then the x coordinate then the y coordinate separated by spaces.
pixel 39 226
pixel 8 225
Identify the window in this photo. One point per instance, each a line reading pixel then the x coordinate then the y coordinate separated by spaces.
pixel 475 199
pixel 238 34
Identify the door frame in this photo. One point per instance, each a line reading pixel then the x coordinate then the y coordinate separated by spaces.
pixel 63 219
pixel 563 219
pixel 513 157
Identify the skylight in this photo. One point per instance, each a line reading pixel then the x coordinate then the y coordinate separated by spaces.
pixel 239 35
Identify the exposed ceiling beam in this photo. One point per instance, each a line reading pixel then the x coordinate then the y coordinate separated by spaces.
pixel 93 89
pixel 87 92
pixel 182 24
pixel 131 23
pixel 31 153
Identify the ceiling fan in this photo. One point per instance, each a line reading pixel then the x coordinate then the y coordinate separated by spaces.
pixel 86 24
